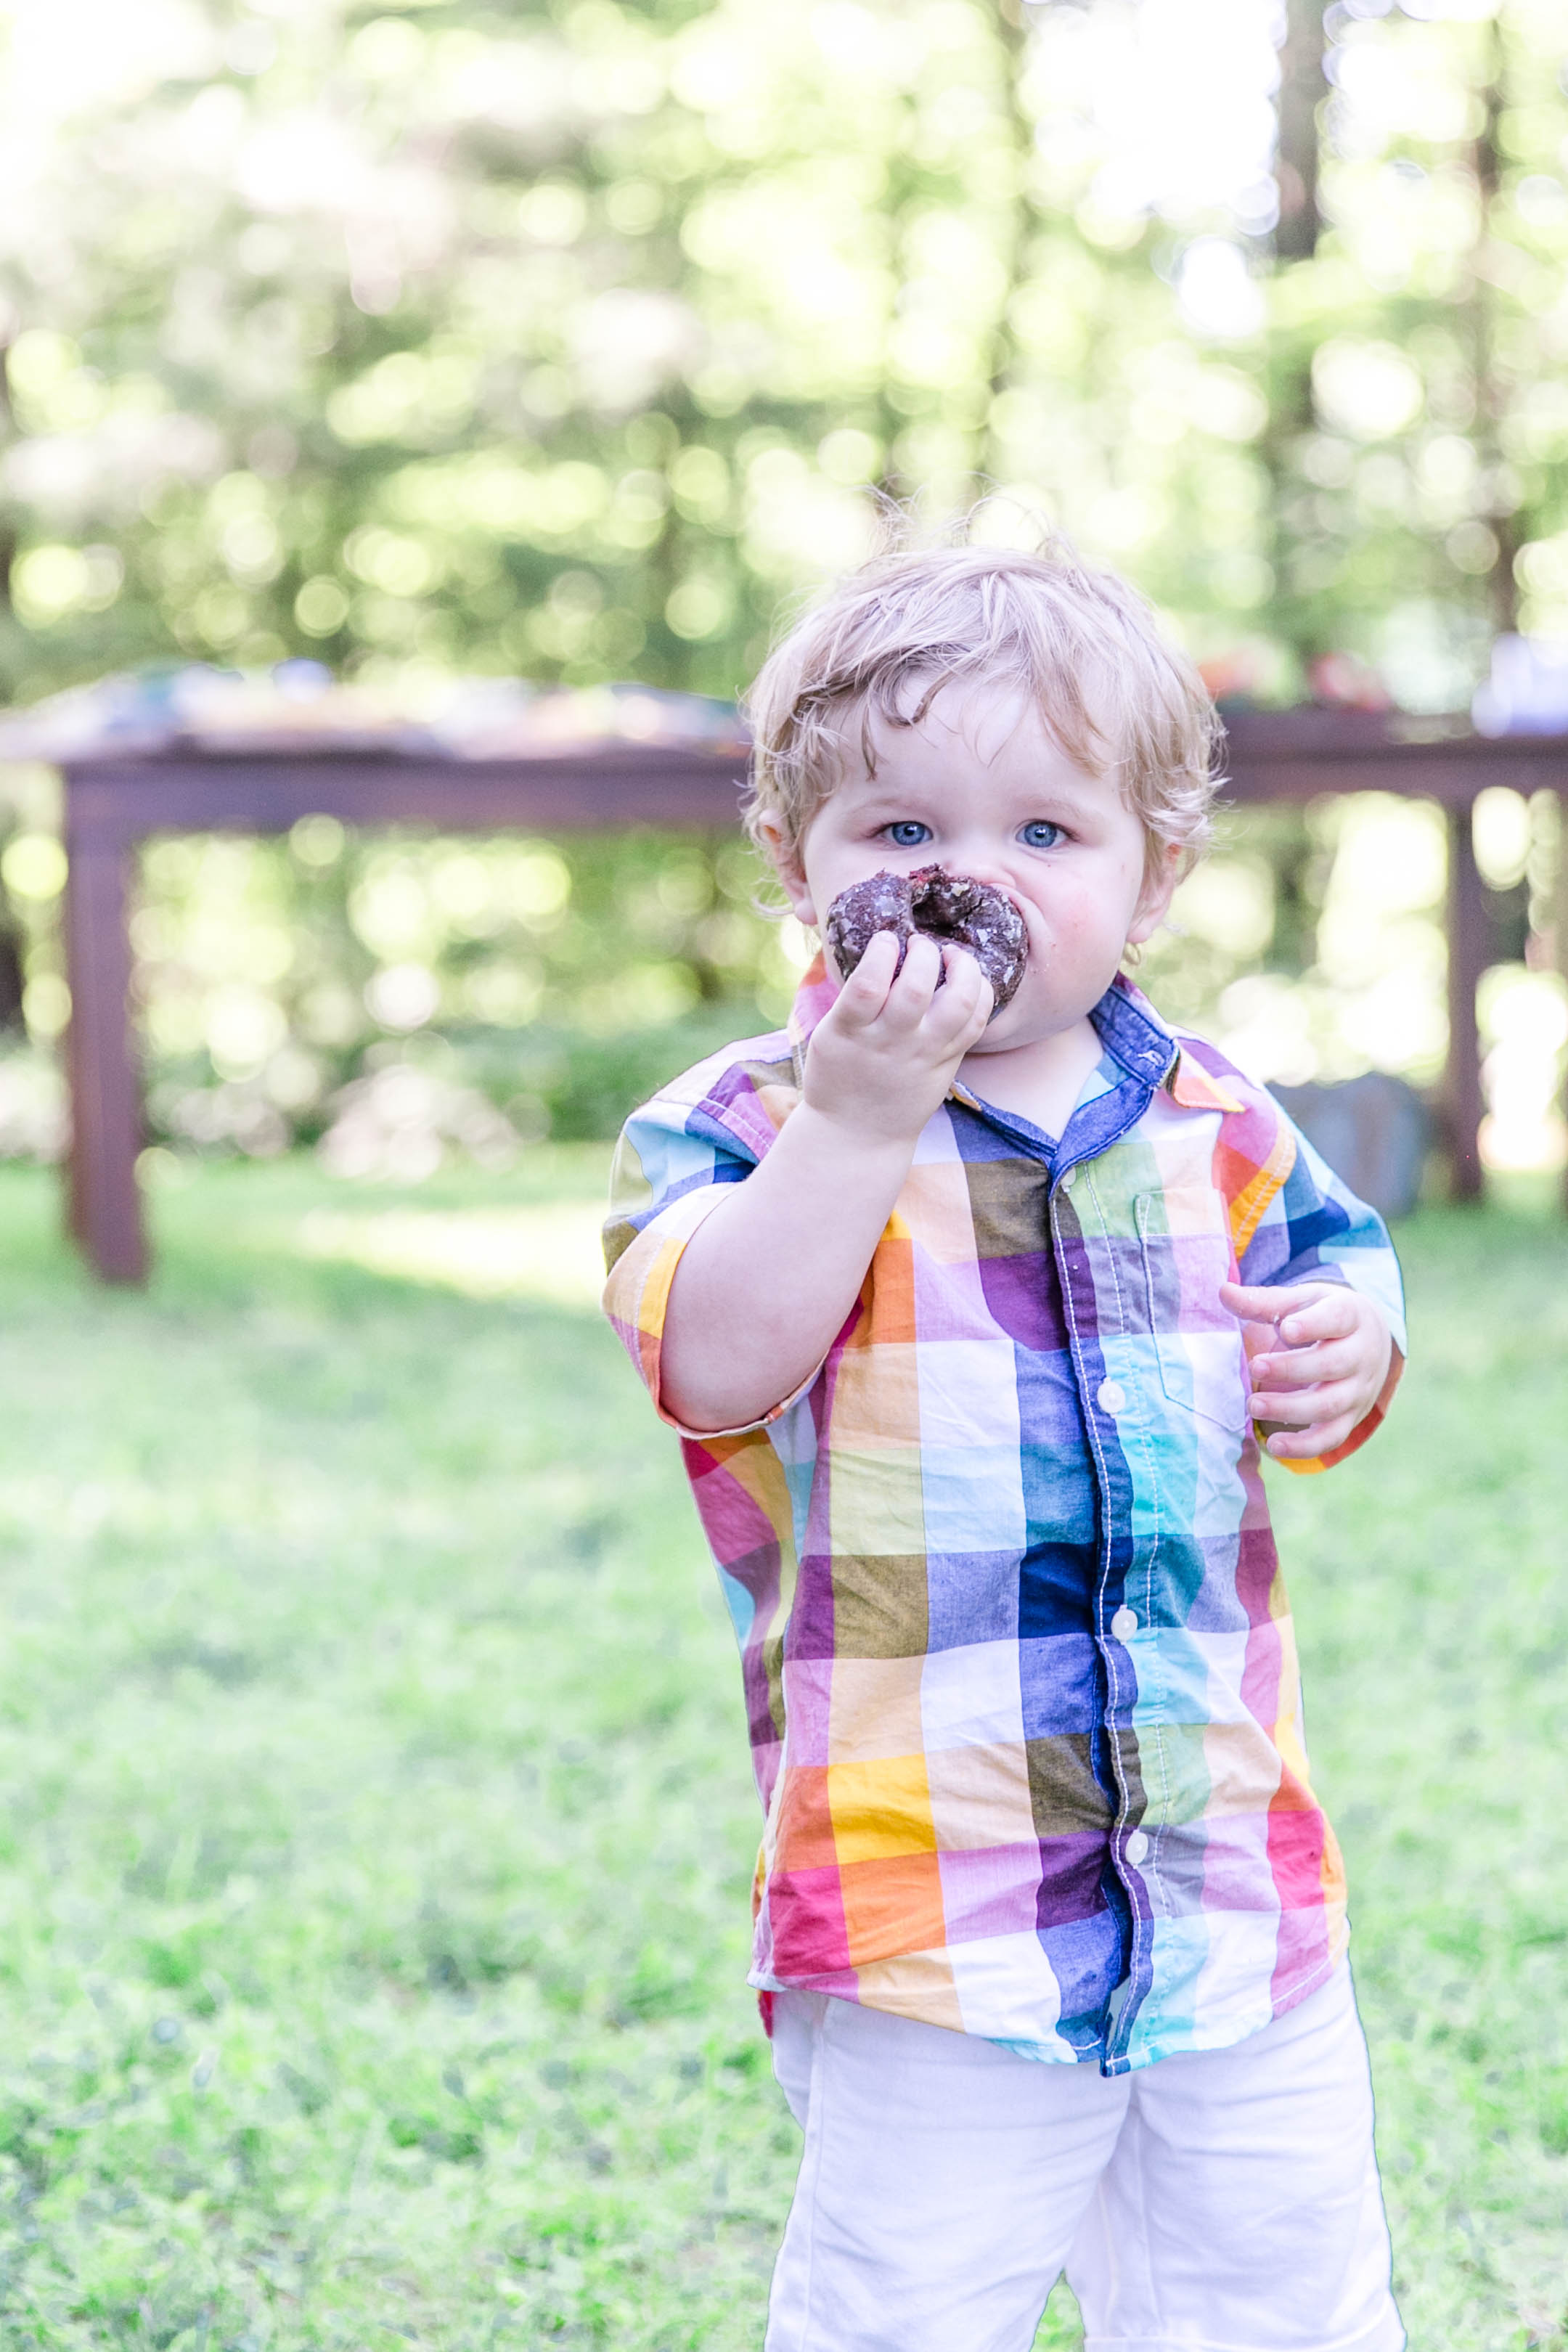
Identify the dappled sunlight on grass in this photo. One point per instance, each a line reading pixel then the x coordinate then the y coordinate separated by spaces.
pixel 551 1252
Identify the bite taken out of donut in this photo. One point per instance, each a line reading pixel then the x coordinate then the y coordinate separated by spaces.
pixel 945 906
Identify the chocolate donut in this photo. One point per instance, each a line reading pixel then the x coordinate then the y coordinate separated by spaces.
pixel 945 906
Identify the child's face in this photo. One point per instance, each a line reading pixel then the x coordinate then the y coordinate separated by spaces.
pixel 979 786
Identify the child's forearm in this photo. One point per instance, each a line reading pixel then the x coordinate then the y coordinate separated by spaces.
pixel 766 1282
pixel 765 1285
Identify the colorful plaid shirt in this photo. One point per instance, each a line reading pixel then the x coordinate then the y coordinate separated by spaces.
pixel 1018 1660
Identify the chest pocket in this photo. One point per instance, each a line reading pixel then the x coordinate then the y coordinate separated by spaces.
pixel 1186 1251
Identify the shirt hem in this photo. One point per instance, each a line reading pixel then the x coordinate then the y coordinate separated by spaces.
pixel 1279 2006
pixel 1056 2052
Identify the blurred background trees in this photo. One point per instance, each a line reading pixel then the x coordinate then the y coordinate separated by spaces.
pixel 567 340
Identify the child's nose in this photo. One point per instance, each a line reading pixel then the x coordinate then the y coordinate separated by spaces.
pixel 987 863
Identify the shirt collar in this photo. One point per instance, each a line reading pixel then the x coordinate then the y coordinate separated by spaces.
pixel 1134 1034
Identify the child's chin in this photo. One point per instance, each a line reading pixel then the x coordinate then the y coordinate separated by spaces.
pixel 1003 1031
pixel 1024 1022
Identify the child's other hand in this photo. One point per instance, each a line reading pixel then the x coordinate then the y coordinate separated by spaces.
pixel 882 1059
pixel 1318 1355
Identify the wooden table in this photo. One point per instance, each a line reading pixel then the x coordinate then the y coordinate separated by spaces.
pixel 115 799
pixel 1295 755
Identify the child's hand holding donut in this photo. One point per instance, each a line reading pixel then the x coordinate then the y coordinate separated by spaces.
pixel 882 1059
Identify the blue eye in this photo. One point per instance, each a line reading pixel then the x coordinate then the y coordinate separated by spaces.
pixel 1040 835
pixel 908 834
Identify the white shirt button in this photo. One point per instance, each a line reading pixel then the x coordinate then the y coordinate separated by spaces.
pixel 1137 1847
pixel 1111 1396
pixel 1124 1624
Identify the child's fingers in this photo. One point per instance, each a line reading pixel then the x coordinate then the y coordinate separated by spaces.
pixel 1255 1301
pixel 1320 1437
pixel 1336 1315
pixel 961 966
pixel 902 1001
pixel 949 1030
pixel 1284 1415
pixel 962 1007
pixel 865 992
pixel 908 999
pixel 1304 1407
pixel 1304 1320
pixel 1259 1303
pixel 1305 1368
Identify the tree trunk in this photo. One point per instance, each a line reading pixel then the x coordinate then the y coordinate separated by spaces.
pixel 1492 398
pixel 1303 87
pixel 1013 41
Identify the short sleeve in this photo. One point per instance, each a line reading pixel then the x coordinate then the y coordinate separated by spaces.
pixel 673 1167
pixel 1314 1229
pixel 665 1181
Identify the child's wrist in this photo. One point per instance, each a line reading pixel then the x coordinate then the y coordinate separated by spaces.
pixel 852 1142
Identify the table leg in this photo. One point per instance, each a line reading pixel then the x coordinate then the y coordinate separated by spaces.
pixel 1467 943
pixel 106 1111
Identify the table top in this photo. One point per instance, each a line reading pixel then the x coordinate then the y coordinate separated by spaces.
pixel 200 745
pixel 299 710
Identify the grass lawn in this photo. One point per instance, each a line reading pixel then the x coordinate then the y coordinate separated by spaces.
pixel 377 1823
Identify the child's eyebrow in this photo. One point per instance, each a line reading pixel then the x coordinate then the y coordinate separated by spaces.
pixel 1062 796
pixel 888 792
pixel 883 795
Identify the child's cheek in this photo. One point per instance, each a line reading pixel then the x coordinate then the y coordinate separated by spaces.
pixel 1075 922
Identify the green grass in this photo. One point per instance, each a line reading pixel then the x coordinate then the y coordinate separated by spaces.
pixel 376 1825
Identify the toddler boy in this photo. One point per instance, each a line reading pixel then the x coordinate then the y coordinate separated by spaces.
pixel 972 1328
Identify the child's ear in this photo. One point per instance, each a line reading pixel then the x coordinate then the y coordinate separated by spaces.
pixel 783 856
pixel 1160 880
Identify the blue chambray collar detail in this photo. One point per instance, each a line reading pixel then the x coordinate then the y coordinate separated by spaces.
pixel 1132 1033
pixel 1138 1056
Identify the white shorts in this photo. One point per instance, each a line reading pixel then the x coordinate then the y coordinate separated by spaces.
pixel 1222 2202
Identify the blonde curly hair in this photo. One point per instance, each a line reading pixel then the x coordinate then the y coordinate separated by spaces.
pixel 1081 642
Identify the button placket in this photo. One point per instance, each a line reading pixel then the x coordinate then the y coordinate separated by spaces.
pixel 1110 1399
